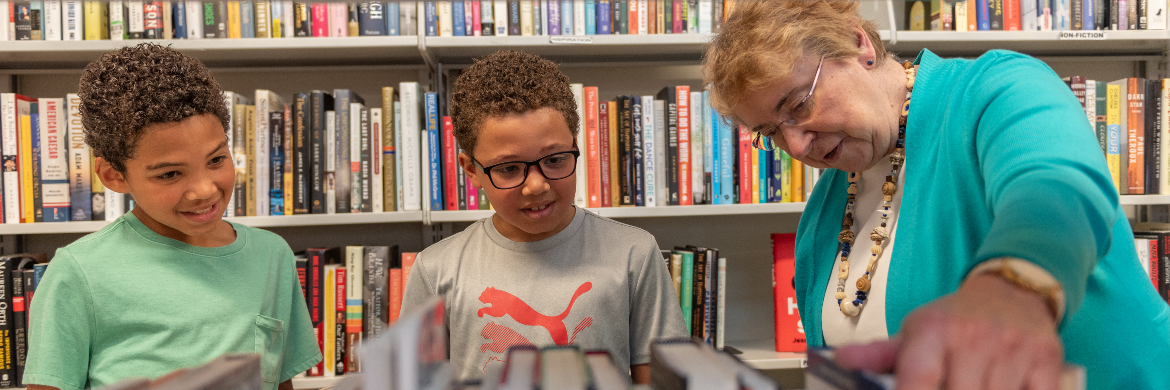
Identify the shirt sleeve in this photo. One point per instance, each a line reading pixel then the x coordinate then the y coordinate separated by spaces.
pixel 654 311
pixel 61 331
pixel 301 351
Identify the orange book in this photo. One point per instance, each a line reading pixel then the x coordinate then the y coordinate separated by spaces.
pixel 683 97
pixel 407 264
pixel 614 192
pixel 972 15
pixel 1136 131
pixel 633 6
pixel 1011 15
pixel 396 285
pixel 728 6
pixel 593 141
pixel 797 181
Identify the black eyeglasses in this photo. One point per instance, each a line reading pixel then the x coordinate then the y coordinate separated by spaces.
pixel 798 112
pixel 512 174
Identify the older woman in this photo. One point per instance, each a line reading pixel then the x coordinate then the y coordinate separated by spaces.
pixel 973 237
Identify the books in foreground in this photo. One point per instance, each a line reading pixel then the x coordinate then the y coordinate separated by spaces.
pixel 680 364
pixel 233 371
pixel 823 373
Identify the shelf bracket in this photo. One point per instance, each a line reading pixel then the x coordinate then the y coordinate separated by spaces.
pixel 427 56
pixel 893 23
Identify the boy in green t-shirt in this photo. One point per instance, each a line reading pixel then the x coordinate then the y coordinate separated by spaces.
pixel 169 285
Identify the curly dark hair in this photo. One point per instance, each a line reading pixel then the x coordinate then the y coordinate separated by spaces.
pixel 508 82
pixel 132 88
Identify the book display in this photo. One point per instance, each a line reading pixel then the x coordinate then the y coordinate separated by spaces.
pixel 381 87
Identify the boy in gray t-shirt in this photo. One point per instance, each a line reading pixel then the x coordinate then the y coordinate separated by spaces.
pixel 540 271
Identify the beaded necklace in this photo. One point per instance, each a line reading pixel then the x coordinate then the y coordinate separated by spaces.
pixel 879 235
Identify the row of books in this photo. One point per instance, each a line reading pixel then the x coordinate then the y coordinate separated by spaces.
pixel 353 293
pixel 1128 117
pixel 700 282
pixel 74 20
pixel 1152 242
pixel 20 274
pixel 1035 15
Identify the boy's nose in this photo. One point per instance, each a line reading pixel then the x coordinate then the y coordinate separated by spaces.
pixel 201 189
pixel 535 184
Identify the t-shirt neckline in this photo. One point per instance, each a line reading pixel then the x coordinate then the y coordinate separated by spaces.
pixel 229 249
pixel 536 246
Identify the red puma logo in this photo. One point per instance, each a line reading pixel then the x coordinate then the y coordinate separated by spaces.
pixel 502 303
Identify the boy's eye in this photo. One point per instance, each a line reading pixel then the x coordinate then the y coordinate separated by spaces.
pixel 218 159
pixel 168 175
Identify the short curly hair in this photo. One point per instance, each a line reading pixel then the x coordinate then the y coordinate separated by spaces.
pixel 132 88
pixel 508 82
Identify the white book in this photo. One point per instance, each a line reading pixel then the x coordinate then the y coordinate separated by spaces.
pixel 5 34
pixel 71 13
pixel 425 155
pixel 446 22
pixel 660 153
pixel 80 170
pixel 1029 20
pixel 135 19
pixel 266 102
pixel 286 19
pixel 52 18
pixel 411 147
pixel 408 19
pixel 643 17
pixel 1091 104
pixel 1156 17
pixel 330 161
pixel 526 18
pixel 194 9
pixel 114 202
pixel 698 190
pixel 238 147
pixel 355 157
pixel 721 304
pixel 500 12
pixel 338 17
pixel 650 160
pixel 578 17
pixel 1061 15
pixel 398 153
pixel 54 162
pixel 354 279
pixel 376 188
pixel 117 20
pixel 581 197
pixel 10 113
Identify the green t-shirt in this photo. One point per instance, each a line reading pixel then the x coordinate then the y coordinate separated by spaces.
pixel 126 302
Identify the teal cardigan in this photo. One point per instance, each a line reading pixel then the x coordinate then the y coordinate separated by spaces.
pixel 1000 161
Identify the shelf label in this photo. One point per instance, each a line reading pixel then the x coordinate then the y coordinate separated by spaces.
pixel 1082 35
pixel 572 40
pixel 803 363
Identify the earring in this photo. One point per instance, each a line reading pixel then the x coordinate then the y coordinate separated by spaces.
pixel 870 62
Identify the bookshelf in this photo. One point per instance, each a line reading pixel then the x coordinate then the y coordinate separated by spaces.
pixel 617 64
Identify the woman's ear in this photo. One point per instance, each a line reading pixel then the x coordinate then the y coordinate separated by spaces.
pixel 111 178
pixel 868 56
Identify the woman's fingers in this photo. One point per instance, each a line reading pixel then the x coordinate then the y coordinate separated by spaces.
pixel 878 357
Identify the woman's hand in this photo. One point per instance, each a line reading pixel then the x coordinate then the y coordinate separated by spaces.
pixel 989 334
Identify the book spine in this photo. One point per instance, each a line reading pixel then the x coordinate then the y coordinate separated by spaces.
pixel 1153 136
pixel 375 292
pixel 638 167
pixel 687 289
pixel 377 179
pixel 590 17
pixel 392 14
pixel 614 154
pixel 179 15
pixel 684 146
pixel 354 304
pixel 302 149
pixel 54 172
pixel 71 20
pixel 1163 120
pixel 720 323
pixel 247 19
pixel 649 156
pixel 474 18
pixel 360 160
pixel 449 175
pixel 581 193
pixel 554 18
pixel 19 325
pixel 625 153
pixel 434 152
pixel 1099 121
pixel 672 147
pixel 604 23
pixel 578 17
pixel 80 202
pixel 389 151
pixel 593 142
pixel 275 143
pixel 1136 131
pixel 1155 15
pixel 698 295
pixel 7 324
pixel 696 141
pixel 487 20
pixel 287 160
pixel 1011 15
pixel 1113 131
pixel 661 189
pixel 411 153
pixel 603 155
pixel 30 157
pixel 319 19
pixel 261 19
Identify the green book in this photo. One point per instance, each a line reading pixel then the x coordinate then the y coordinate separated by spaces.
pixel 1099 124
pixel 688 285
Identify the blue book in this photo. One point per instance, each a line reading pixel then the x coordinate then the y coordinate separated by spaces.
pixel 1088 15
pixel 590 18
pixel 371 17
pixel 762 175
pixel 430 15
pixel 179 18
pixel 458 27
pixel 38 273
pixel 392 18
pixel 434 151
pixel 603 18
pixel 276 156
pixel 776 177
pixel 247 20
pixel 554 18
pixel 983 21
pixel 716 159
pixel 37 7
pixel 35 140
pixel 537 21
pixel 727 157
pixel 567 17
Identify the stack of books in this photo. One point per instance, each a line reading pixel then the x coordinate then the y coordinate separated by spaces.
pixel 686 365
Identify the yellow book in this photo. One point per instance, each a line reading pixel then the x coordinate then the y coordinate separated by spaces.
pixel 755 175
pixel 329 319
pixel 98 191
pixel 961 15
pixel 97 19
pixel 233 17
pixel 275 24
pixel 797 181
pixel 26 169
pixel 614 191
pixel 389 165
pixel 1113 126
pixel 249 150
pixel 263 19
pixel 288 164
pixel 785 174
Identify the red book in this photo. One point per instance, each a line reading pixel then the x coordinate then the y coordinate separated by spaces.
pixel 407 264
pixel 314 269
pixel 789 331
pixel 472 195
pixel 152 19
pixel 746 153
pixel 1011 15
pixel 676 11
pixel 450 164
pixel 1153 259
pixel 320 14
pixel 603 152
pixel 339 351
pixel 683 96
pixel 396 284
pixel 475 32
pixel 592 140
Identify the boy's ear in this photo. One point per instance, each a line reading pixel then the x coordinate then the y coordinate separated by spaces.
pixel 110 177
pixel 473 174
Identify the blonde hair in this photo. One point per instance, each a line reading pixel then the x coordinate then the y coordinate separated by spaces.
pixel 762 40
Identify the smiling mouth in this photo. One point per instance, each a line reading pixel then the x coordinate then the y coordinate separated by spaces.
pixel 832 153
pixel 538 208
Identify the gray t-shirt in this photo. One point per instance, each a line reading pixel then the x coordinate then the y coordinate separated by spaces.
pixel 598 284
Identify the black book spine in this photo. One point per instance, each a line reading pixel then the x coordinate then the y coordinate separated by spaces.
pixel 276 156
pixel 626 161
pixel 1100 14
pixel 1077 16
pixel 376 292
pixel 367 202
pixel 38 202
pixel 713 280
pixel 301 19
pixel 699 293
pixel 341 100
pixel 7 328
pixel 23 19
pixel 318 100
pixel 1114 14
pixel 995 14
pixel 1153 137
pixel 1141 14
pixel 513 17
pixel 636 144
pixel 461 181
pixel 301 152
pixel 221 20
pixel 669 96
pixel 1164 265
pixel 20 325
